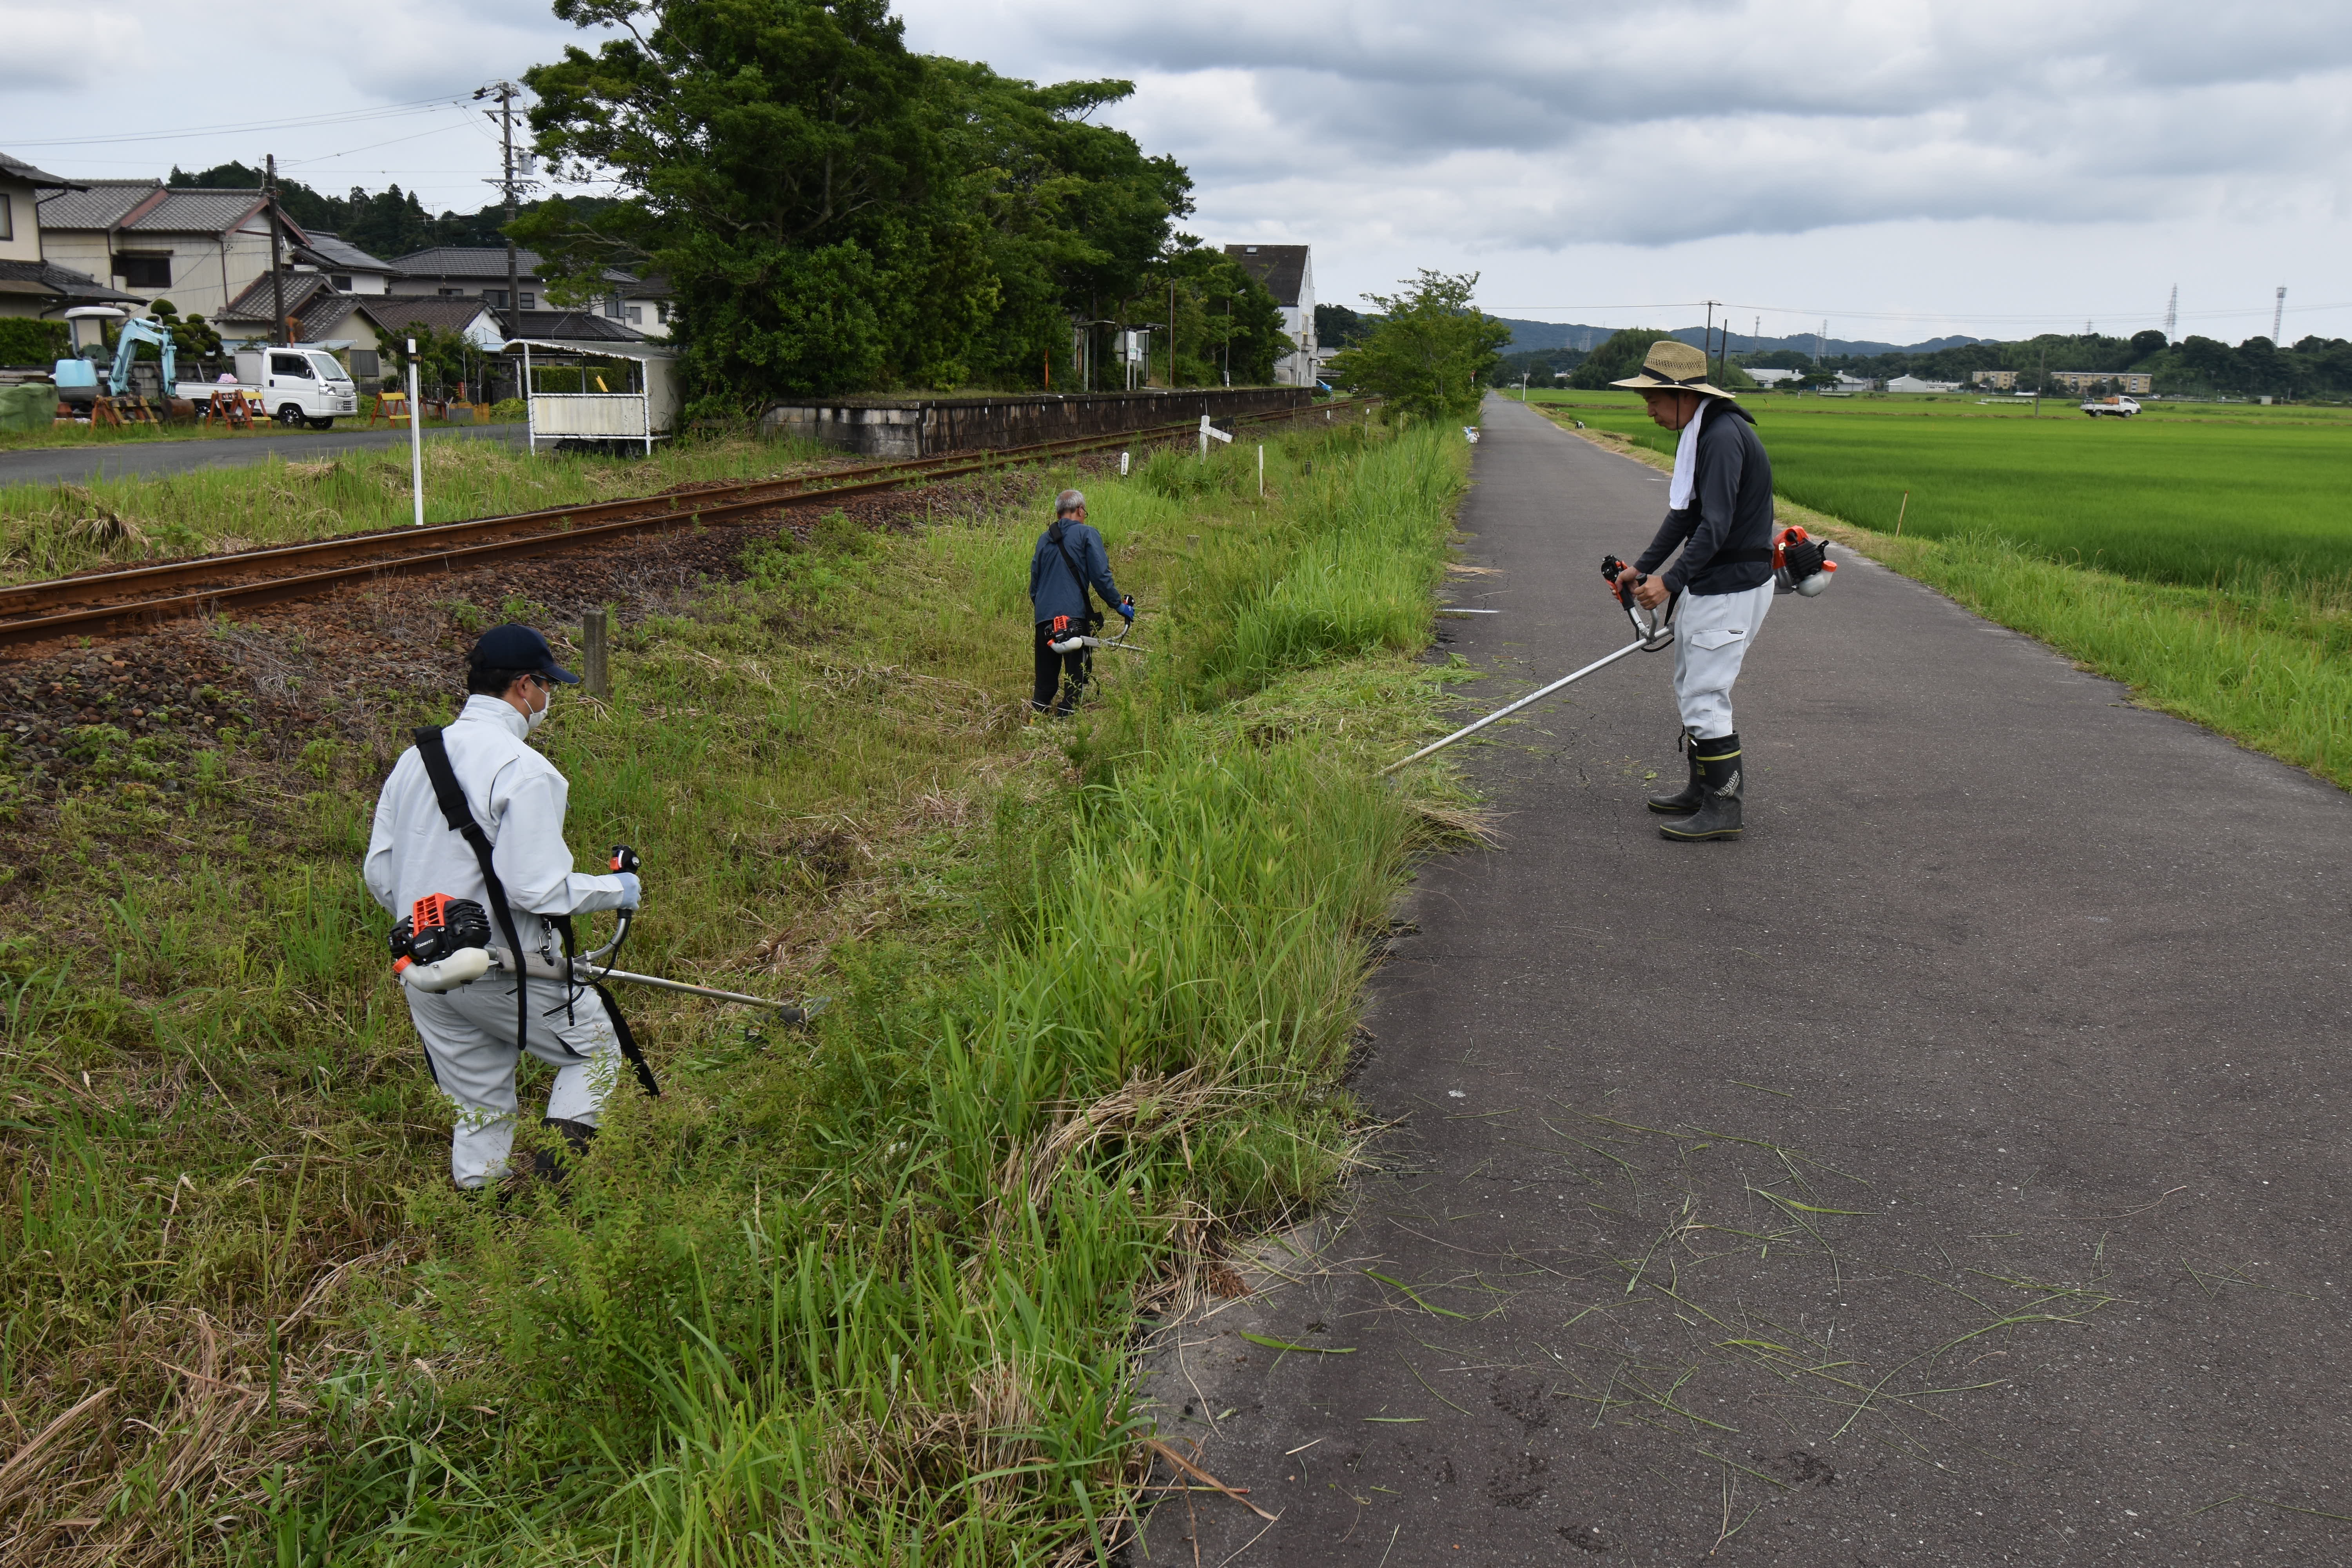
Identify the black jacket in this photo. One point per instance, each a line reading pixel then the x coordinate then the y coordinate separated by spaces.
pixel 1725 533
pixel 1053 588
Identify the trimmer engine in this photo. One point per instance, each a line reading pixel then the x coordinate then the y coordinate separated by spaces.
pixel 1800 563
pixel 436 927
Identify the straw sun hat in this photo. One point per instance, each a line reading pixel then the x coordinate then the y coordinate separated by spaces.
pixel 1672 365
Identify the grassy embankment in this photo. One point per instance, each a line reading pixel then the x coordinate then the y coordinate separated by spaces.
pixel 860 1294
pixel 182 430
pixel 2201 560
pixel 46 530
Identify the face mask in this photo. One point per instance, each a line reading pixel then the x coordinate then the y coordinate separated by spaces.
pixel 537 716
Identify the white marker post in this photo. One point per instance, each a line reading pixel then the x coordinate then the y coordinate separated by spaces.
pixel 1207 430
pixel 416 437
pixel 1261 471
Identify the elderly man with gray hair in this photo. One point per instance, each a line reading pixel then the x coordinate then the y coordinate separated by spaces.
pixel 1070 559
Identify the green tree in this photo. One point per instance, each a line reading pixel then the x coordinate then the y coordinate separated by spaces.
pixel 1338 327
pixel 1617 358
pixel 1431 351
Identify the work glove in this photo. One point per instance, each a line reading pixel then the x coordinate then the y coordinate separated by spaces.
pixel 631 890
pixel 1126 609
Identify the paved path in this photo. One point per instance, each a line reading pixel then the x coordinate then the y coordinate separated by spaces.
pixel 1952 1173
pixel 119 459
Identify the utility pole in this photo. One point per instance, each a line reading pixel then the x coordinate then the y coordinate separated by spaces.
pixel 506 92
pixel 2041 376
pixel 1710 324
pixel 1171 335
pixel 277 241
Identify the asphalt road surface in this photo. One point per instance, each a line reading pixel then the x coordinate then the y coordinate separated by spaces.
pixel 119 459
pixel 1947 1174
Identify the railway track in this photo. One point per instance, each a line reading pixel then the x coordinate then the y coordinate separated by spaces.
pixel 110 603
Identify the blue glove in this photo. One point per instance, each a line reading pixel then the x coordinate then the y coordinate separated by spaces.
pixel 631 893
pixel 1126 609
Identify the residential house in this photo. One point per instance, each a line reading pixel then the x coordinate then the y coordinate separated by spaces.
pixel 349 270
pixel 198 247
pixel 2132 383
pixel 1287 272
pixel 30 283
pixel 463 271
pixel 645 306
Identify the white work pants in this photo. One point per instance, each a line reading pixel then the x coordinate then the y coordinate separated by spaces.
pixel 1712 632
pixel 469 1039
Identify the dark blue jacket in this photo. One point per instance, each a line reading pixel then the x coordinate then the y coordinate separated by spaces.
pixel 1725 533
pixel 1053 588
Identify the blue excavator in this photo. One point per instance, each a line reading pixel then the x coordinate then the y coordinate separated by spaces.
pixel 78 379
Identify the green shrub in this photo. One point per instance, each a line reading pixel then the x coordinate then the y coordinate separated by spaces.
pixel 26 342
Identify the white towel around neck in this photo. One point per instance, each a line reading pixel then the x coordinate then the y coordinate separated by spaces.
pixel 1685 479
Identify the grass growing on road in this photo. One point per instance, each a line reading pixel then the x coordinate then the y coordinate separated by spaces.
pixel 864 1294
pixel 2263 656
pixel 48 530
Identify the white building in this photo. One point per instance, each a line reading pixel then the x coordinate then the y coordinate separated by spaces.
pixel 30 283
pixel 1287 272
pixel 1912 383
pixel 1771 378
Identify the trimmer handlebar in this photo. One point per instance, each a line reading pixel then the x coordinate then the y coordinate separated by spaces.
pixel 1653 627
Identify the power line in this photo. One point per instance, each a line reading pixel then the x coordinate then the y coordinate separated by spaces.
pixel 419 106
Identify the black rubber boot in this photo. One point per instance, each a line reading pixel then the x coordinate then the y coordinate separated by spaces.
pixel 549 1166
pixel 1687 799
pixel 1719 787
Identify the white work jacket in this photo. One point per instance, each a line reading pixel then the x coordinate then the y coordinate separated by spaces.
pixel 518 797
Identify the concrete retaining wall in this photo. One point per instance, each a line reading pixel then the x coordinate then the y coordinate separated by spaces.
pixel 923 428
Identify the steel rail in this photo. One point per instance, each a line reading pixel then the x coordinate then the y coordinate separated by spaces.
pixel 447 547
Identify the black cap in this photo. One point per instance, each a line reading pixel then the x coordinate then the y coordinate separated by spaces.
pixel 511 647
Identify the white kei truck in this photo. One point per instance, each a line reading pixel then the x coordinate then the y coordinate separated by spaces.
pixel 296 385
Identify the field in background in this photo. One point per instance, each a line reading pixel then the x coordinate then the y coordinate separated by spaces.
pixel 2207 495
pixel 48 530
pixel 2227 600
pixel 861 1295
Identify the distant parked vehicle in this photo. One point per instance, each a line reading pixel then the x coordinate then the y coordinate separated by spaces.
pixel 293 385
pixel 2111 407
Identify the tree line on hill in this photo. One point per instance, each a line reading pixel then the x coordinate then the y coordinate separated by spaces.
pixel 2195 367
pixel 834 212
pixel 385 223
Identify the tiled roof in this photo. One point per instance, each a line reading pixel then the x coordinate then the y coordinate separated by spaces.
pixel 1281 268
pixel 395 312
pixel 17 169
pixel 202 212
pixel 332 251
pixel 64 282
pixel 259 301
pixel 488 262
pixel 99 205
pixel 572 326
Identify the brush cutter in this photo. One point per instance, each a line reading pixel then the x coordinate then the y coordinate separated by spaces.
pixel 1654 630
pixel 1078 637
pixel 444 943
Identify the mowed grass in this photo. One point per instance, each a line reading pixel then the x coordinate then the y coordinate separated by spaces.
pixel 2260 649
pixel 861 1294
pixel 2218 495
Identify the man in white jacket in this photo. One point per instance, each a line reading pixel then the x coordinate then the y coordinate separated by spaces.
pixel 517 798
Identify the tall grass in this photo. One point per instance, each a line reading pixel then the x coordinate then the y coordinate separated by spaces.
pixel 49 530
pixel 860 1295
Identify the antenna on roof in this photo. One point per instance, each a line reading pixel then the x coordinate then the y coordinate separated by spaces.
pixel 2172 312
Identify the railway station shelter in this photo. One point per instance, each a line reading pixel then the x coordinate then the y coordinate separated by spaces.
pixel 601 392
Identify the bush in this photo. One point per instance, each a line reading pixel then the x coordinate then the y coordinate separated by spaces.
pixel 24 341
pixel 507 408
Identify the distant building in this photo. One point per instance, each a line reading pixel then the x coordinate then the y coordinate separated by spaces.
pixel 2132 382
pixel 348 269
pixel 1768 378
pixel 1999 380
pixel 479 272
pixel 198 247
pixel 31 284
pixel 1288 273
pixel 1914 383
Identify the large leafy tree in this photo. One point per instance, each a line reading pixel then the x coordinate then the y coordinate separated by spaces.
pixel 833 212
pixel 1430 351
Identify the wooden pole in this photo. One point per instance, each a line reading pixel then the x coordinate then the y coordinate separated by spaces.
pixel 595 670
pixel 1901 513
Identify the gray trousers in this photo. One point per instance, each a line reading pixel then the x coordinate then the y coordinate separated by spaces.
pixel 469 1039
pixel 1712 635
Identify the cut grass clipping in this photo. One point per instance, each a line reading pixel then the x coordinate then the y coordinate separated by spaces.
pixel 2204 576
pixel 862 1295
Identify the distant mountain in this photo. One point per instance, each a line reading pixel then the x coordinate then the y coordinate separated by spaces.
pixel 1529 336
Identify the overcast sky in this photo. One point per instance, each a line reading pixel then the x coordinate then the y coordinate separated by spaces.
pixel 1902 169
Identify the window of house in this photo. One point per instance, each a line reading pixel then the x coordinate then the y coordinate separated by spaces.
pixel 661 309
pixel 529 302
pixel 449 293
pixel 7 218
pixel 341 280
pixel 496 299
pixel 365 362
pixel 636 315
pixel 143 271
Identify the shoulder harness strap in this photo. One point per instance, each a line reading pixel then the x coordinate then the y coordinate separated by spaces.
pixel 435 754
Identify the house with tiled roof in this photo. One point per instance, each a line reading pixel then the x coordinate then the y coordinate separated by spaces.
pixel 348 269
pixel 459 271
pixel 198 247
pixel 31 282
pixel 1288 273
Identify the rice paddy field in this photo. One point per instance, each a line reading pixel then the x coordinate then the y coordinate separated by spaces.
pixel 2227 495
pixel 2200 553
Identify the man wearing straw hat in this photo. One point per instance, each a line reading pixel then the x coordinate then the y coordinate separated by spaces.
pixel 1719 512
